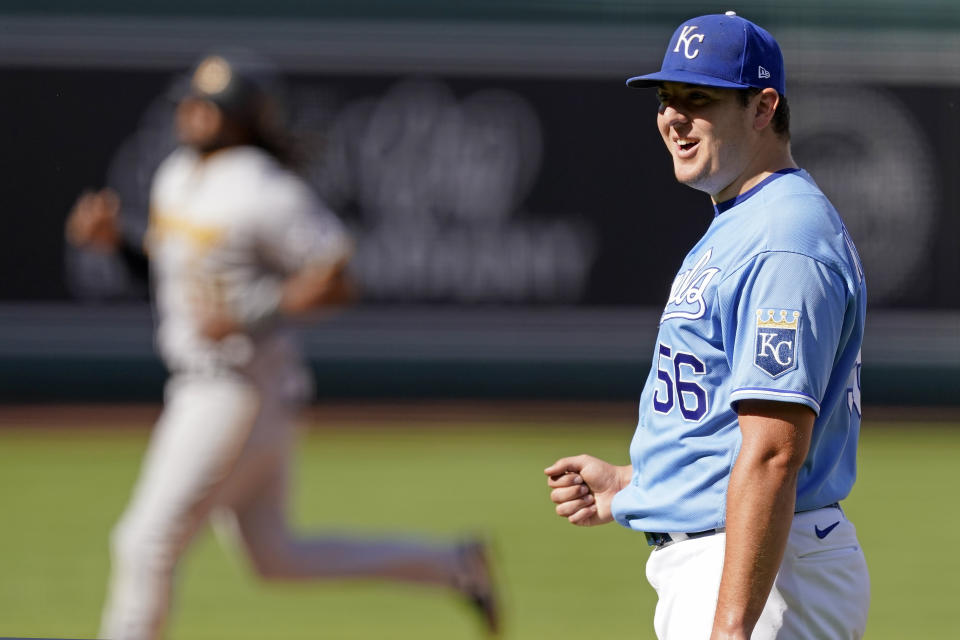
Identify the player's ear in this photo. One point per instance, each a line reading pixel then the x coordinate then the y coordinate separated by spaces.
pixel 764 107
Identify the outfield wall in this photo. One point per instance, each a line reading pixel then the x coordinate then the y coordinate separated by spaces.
pixel 70 353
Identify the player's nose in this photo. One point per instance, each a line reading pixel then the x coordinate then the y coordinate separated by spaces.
pixel 670 116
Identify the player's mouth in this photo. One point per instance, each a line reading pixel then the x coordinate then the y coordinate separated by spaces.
pixel 686 147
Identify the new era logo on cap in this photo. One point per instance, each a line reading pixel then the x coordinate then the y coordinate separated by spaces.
pixel 720 50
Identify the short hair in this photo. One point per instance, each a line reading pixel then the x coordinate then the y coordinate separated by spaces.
pixel 781 117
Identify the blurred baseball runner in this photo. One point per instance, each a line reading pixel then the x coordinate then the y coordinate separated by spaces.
pixel 236 243
pixel 750 415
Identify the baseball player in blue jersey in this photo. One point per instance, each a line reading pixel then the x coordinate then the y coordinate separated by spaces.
pixel 750 415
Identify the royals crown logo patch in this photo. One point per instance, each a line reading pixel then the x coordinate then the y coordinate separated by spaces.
pixel 777 334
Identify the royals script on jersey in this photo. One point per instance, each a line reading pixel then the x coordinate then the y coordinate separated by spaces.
pixel 219 226
pixel 769 304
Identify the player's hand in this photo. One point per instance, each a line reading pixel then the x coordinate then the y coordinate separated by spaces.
pixel 583 488
pixel 217 325
pixel 93 222
pixel 206 297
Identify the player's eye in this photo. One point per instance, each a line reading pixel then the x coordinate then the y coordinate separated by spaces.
pixel 699 98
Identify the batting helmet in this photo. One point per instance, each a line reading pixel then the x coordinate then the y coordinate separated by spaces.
pixel 239 82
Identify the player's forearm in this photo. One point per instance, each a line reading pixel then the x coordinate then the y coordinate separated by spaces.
pixel 267 299
pixel 313 287
pixel 760 506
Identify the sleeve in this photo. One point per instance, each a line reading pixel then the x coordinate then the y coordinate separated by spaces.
pixel 134 257
pixel 782 328
pixel 302 231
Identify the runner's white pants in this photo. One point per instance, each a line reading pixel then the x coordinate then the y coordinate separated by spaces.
pixel 219 442
pixel 221 448
pixel 821 592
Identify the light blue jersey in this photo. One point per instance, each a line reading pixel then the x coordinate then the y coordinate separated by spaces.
pixel 769 305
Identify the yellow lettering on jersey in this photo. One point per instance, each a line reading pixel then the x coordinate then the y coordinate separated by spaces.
pixel 200 236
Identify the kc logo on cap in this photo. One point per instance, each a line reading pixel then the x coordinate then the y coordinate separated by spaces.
pixel 720 50
pixel 685 37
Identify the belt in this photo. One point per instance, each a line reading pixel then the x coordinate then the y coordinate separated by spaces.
pixel 661 540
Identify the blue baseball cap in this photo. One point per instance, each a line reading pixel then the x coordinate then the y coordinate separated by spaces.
pixel 720 50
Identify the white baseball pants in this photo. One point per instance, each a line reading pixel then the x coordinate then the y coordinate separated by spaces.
pixel 221 447
pixel 822 590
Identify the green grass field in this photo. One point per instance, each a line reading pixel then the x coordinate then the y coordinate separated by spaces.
pixel 63 488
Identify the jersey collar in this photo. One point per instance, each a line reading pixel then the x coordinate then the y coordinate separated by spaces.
pixel 726 205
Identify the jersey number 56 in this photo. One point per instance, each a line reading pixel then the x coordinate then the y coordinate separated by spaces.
pixel 675 386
